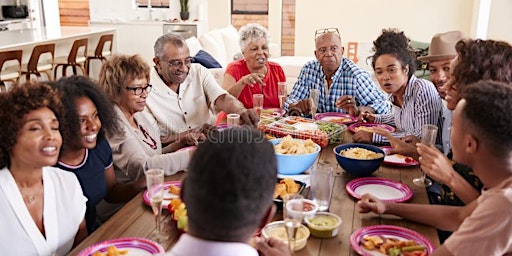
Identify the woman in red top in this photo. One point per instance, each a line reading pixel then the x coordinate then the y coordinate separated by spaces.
pixel 254 74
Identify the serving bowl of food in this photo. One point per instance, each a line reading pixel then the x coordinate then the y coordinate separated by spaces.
pixel 286 186
pixel 277 230
pixel 359 159
pixel 323 224
pixel 294 156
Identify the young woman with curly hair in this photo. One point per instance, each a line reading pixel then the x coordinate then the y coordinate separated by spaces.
pixel 85 150
pixel 43 207
pixel 415 101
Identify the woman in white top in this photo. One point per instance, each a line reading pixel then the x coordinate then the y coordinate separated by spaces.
pixel 43 207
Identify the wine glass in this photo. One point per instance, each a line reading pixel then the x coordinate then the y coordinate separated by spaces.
pixel 257 103
pixel 428 138
pixel 293 209
pixel 155 186
pixel 314 96
pixel 281 91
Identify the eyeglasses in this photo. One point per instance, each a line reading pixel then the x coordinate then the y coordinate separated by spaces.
pixel 137 90
pixel 178 63
pixel 326 30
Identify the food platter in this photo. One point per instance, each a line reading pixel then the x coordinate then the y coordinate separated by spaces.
pixel 130 245
pixel 321 132
pixel 168 196
pixel 398 159
pixel 387 231
pixel 336 117
pixel 369 127
pixel 385 189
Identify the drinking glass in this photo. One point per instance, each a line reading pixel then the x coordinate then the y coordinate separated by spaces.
pixel 293 208
pixel 322 181
pixel 314 96
pixel 428 138
pixel 233 120
pixel 155 186
pixel 257 103
pixel 281 91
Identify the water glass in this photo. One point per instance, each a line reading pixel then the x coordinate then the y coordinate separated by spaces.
pixel 257 103
pixel 322 181
pixel 281 92
pixel 233 120
pixel 428 138
pixel 314 97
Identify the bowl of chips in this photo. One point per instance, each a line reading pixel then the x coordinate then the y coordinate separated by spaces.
pixel 359 159
pixel 294 156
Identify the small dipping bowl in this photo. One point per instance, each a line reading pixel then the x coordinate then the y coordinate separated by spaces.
pixel 277 230
pixel 323 224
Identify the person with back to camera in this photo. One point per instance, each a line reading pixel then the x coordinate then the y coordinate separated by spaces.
pixel 85 150
pixel 254 74
pixel 42 207
pixel 223 218
pixel 480 139
pixel 415 101
pixel 185 96
pixel 343 86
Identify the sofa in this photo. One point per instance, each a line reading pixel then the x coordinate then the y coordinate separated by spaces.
pixel 223 46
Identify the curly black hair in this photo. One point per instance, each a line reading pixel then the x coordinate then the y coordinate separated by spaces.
pixel 71 89
pixel 479 59
pixel 394 42
pixel 18 102
pixel 488 110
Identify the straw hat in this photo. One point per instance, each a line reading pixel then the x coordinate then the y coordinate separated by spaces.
pixel 442 46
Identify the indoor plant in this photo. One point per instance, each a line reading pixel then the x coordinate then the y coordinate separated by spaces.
pixel 184 10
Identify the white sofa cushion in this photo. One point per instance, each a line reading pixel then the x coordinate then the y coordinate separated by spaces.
pixel 213 44
pixel 193 45
pixel 231 40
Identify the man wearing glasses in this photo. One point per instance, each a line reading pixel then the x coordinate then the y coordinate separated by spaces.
pixel 343 86
pixel 186 97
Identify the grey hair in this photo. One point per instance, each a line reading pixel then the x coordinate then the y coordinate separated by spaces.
pixel 251 33
pixel 175 39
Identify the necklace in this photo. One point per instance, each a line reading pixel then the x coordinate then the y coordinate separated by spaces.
pixel 30 199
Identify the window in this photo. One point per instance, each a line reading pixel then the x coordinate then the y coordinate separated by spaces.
pixel 249 7
pixel 153 3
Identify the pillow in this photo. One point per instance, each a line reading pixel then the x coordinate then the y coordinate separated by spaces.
pixel 206 60
pixel 193 45
pixel 213 44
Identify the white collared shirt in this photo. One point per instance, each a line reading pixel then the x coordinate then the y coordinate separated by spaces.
pixel 193 246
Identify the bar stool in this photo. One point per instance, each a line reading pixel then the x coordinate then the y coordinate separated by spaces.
pixel 33 67
pixel 9 74
pixel 73 59
pixel 100 53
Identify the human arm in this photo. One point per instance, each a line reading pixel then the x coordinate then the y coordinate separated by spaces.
pixel 121 192
pixel 369 95
pixel 271 247
pixel 440 168
pixel 400 145
pixel 440 216
pixel 81 234
pixel 229 104
pixel 235 87
pixel 299 96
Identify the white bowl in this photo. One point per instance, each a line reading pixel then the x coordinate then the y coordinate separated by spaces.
pixel 277 230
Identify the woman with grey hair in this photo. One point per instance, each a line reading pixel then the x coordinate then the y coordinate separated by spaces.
pixel 254 74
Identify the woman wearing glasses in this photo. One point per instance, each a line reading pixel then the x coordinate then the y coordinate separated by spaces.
pixel 85 151
pixel 254 74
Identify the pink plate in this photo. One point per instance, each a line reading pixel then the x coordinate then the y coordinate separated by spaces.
pixel 272 112
pixel 353 127
pixel 397 159
pixel 134 246
pixel 186 148
pixel 387 231
pixel 221 127
pixel 167 195
pixel 384 189
pixel 335 117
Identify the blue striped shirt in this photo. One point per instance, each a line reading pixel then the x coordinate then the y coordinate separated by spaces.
pixel 422 105
pixel 349 79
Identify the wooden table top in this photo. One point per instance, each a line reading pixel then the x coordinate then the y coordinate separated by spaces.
pixel 136 219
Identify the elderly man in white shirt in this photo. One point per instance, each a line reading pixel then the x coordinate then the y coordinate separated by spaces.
pixel 185 96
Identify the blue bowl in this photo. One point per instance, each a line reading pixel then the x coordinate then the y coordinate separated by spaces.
pixel 359 167
pixel 294 164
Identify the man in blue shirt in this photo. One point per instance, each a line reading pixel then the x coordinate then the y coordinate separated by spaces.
pixel 343 86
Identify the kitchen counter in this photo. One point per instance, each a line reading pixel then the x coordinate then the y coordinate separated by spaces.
pixel 13 39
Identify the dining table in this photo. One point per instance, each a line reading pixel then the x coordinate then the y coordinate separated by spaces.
pixel 136 219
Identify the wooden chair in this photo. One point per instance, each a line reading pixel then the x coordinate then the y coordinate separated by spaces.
pixel 100 53
pixel 33 67
pixel 73 60
pixel 11 75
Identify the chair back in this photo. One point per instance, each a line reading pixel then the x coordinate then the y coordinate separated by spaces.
pixel 11 55
pixel 37 52
pixel 77 45
pixel 104 39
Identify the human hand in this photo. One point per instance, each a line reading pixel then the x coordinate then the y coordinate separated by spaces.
pixel 435 163
pixel 249 117
pixel 207 129
pixel 399 145
pixel 410 139
pixel 366 117
pixel 304 106
pixel 348 104
pixel 369 203
pixel 192 138
pixel 252 79
pixel 363 137
pixel 271 247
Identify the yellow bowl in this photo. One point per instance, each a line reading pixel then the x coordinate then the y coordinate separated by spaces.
pixel 277 230
pixel 323 224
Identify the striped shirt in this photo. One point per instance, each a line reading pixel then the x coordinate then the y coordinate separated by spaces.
pixel 349 79
pixel 422 105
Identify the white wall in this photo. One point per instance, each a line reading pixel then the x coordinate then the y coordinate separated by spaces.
pixel 500 20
